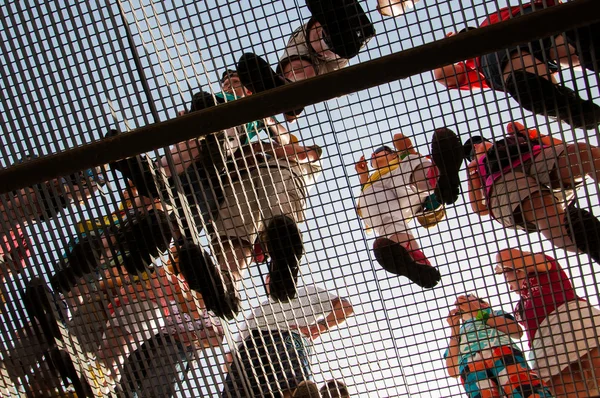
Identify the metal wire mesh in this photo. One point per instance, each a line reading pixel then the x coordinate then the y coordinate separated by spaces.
pixel 119 280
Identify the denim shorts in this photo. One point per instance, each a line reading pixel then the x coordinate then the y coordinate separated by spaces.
pixel 492 65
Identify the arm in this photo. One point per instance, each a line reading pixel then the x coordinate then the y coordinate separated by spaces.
pixel 476 194
pixel 277 131
pixel 293 152
pixel 454 343
pixel 520 260
pixel 452 76
pixel 341 310
pixel 184 154
pixel 505 325
pixel 404 144
pixel 362 169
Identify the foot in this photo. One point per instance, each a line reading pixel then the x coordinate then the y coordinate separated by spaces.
pixel 142 237
pixel 257 76
pixel 345 25
pixel 285 247
pixel 217 288
pixel 394 258
pixel 446 153
pixel 83 255
pixel 39 307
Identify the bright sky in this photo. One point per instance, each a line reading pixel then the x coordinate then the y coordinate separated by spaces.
pixel 75 63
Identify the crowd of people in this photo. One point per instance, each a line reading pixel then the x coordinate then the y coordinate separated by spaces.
pixel 135 292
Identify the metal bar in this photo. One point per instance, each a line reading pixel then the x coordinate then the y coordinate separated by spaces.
pixel 420 59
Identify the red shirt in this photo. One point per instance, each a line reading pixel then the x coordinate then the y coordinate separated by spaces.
pixel 542 293
pixel 475 79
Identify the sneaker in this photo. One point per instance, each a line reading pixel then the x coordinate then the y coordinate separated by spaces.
pixel 306 389
pixel 285 248
pixel 394 258
pixel 39 307
pixel 257 76
pixel 432 212
pixel 446 153
pixel 143 237
pixel 217 288
pixel 345 24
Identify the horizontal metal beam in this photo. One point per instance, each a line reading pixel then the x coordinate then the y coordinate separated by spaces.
pixel 543 23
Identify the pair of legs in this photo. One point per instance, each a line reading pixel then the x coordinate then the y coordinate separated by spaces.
pixel 532 82
pixel 501 371
pixel 575 231
pixel 580 379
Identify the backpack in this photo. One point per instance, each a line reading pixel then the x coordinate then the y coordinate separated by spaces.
pixel 506 151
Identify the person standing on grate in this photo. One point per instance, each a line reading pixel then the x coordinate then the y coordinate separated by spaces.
pixel 482 353
pixel 528 72
pixel 525 181
pixel 405 185
pixel 562 328
pixel 272 358
pixel 335 33
pixel 265 195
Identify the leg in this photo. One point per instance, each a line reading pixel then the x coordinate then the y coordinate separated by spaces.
pixel 530 82
pixel 580 159
pixel 541 210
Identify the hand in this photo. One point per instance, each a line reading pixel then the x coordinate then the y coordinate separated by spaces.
pixel 454 317
pixel 499 269
pixel 361 166
pixel 472 167
pixel 468 303
pixel 311 331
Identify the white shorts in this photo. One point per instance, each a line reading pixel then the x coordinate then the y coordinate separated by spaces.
pixel 390 203
pixel 566 335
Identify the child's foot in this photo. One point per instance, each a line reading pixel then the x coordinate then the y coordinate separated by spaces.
pixel 446 153
pixel 285 247
pixel 346 27
pixel 394 258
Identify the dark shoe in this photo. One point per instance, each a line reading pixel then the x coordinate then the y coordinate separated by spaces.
pixel 62 363
pixel 345 25
pixel 39 307
pixel 543 97
pixel 586 41
pixel 394 258
pixel 63 280
pixel 446 153
pixel 83 255
pixel 217 289
pixel 143 237
pixel 285 247
pixel 584 229
pixel 257 76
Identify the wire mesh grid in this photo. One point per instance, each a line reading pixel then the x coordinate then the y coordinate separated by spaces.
pixel 108 272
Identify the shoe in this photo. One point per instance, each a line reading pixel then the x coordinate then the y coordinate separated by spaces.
pixel 306 389
pixel 345 25
pixel 63 280
pixel 217 288
pixel 40 308
pixel 285 248
pixel 543 97
pixel 83 255
pixel 394 258
pixel 584 229
pixel 257 76
pixel 142 237
pixel 446 153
